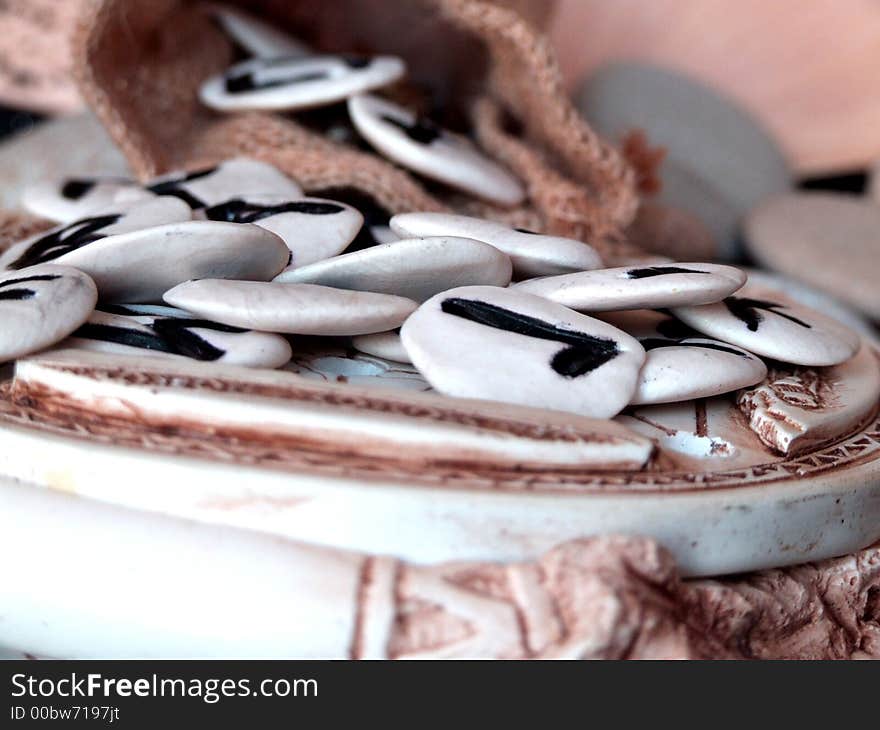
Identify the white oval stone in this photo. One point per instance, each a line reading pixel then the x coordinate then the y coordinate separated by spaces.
pixel 504 345
pixel 236 177
pixel 386 345
pixel 431 151
pixel 256 37
pixel 771 325
pixel 303 309
pixel 169 332
pixel 313 228
pixel 532 254
pixel 695 367
pixel 41 305
pixel 64 240
pixel 416 268
pixel 641 287
pixel 680 364
pixel 298 83
pixel 142 265
pixel 71 198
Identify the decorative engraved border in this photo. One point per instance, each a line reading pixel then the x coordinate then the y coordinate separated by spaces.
pixel 859 447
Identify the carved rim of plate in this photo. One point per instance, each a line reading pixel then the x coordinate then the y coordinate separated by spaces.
pixel 36 407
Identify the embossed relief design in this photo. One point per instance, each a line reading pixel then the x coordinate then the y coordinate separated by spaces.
pixel 583 600
pixel 189 440
pixel 804 388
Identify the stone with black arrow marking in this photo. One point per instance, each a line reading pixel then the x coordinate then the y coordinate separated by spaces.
pixel 769 324
pixel 505 345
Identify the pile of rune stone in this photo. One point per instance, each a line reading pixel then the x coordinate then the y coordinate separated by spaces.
pixel 221 264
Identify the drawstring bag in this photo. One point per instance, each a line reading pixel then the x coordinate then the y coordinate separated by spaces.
pixel 477 66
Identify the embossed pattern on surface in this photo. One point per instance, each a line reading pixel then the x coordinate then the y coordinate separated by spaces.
pixel 38 410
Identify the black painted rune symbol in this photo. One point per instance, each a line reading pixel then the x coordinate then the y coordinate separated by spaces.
pixel 584 354
pixel 24 292
pixel 174 186
pixel 169 334
pixel 241 211
pixel 750 311
pixel 64 240
pixel 421 130
pixel 660 271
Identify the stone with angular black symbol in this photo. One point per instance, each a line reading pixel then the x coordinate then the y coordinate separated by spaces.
pixel 62 242
pixel 297 82
pixel 416 268
pixel 235 177
pixel 431 151
pixel 303 309
pixel 639 287
pixel 532 254
pixel 769 324
pixel 71 198
pixel 166 331
pixel 41 305
pixel 313 228
pixel 500 344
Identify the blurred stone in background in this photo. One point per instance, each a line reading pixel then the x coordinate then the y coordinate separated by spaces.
pixel 806 70
pixel 56 148
pixel 718 161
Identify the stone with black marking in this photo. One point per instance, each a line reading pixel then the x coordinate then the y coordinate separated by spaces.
pixel 429 150
pixel 386 345
pixel 59 243
pixel 71 198
pixel 694 367
pixel 41 305
pixel 131 263
pixel 235 177
pixel 289 83
pixel 769 324
pixel 416 268
pixel 639 287
pixel 504 345
pixel 304 309
pixel 532 254
pixel 313 228
pixel 166 331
